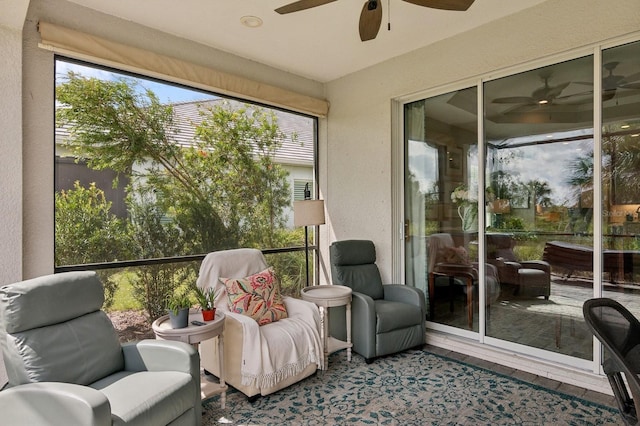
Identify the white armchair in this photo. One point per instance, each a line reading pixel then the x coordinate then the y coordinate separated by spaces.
pixel 259 360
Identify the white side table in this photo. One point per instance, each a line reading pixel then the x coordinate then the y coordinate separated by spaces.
pixel 194 334
pixel 329 296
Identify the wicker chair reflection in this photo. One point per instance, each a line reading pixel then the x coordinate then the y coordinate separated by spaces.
pixel 452 276
pixel 532 278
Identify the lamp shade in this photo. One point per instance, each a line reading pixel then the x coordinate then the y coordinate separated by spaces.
pixel 308 212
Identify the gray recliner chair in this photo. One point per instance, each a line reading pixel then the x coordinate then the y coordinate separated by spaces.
pixel 385 318
pixel 66 366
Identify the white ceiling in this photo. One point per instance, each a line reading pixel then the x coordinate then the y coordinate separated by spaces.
pixel 320 43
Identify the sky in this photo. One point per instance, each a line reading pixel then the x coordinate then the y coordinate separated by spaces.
pixel 547 163
pixel 166 92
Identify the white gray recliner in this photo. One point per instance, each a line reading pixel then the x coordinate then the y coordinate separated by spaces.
pixel 66 366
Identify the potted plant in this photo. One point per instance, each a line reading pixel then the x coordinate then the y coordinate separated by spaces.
pixel 207 301
pixel 178 307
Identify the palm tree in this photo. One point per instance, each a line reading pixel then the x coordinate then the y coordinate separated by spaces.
pixel 541 192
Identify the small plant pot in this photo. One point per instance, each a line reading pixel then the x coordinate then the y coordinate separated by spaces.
pixel 209 314
pixel 181 320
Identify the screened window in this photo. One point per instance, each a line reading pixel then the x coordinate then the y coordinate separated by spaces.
pixel 146 169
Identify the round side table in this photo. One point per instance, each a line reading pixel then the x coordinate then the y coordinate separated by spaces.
pixel 194 334
pixel 329 296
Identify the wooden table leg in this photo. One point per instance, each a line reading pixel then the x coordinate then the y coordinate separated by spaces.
pixel 470 303
pixel 432 286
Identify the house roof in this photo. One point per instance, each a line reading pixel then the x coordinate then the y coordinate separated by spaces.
pixel 294 152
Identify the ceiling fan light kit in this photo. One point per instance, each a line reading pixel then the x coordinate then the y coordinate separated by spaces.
pixel 371 14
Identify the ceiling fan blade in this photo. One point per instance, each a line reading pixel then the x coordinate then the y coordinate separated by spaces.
pixel 555 91
pixel 575 99
pixel 458 5
pixel 514 100
pixel 632 78
pixel 301 5
pixel 370 19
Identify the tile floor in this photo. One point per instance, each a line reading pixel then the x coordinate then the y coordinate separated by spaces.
pixel 587 394
pixel 556 325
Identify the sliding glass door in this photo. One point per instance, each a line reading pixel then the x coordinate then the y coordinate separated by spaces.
pixel 539 171
pixel 532 211
pixel 441 204
pixel 621 175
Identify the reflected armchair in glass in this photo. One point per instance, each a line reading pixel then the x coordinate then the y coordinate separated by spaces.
pixel 451 270
pixel 531 278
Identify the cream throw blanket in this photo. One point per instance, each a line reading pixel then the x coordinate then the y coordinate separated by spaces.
pixel 273 351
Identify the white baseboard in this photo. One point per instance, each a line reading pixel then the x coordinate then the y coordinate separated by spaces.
pixel 530 364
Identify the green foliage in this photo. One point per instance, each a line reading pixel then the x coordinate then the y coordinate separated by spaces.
pixel 112 126
pixel 513 223
pixel 234 164
pixel 205 298
pixel 155 237
pixel 151 286
pixel 529 252
pixel 224 191
pixel 86 232
pixel 177 301
pixel 290 266
pixel 541 192
pixel 123 299
pixel 509 223
pixel 503 184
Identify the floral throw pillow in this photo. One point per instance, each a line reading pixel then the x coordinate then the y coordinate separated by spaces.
pixel 257 296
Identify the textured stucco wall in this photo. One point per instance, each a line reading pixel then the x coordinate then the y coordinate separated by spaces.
pixel 359 141
pixel 11 158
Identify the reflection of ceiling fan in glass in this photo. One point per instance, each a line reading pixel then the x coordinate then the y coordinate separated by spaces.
pixel 611 82
pixel 544 95
pixel 548 96
pixel 371 15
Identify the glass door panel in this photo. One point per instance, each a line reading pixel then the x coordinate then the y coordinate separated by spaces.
pixel 441 205
pixel 621 175
pixel 539 205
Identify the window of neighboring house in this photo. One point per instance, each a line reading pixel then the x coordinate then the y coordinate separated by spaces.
pixel 299 188
pixel 146 169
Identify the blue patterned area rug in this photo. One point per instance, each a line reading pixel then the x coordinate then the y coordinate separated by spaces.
pixel 412 388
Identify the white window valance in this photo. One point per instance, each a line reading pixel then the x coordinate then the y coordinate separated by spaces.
pixel 96 49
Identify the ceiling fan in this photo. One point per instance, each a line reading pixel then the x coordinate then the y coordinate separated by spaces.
pixel 541 96
pixel 371 15
pixel 611 82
